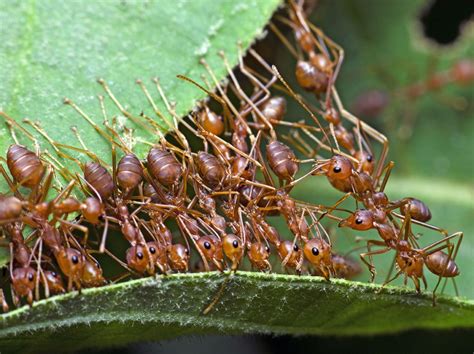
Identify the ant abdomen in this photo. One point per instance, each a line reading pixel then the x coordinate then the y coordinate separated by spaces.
pixel 282 160
pixel 274 109
pixel 417 209
pixel 164 167
pixel 211 122
pixel 309 78
pixel 25 166
pixel 441 264
pixel 99 178
pixel 129 172
pixel 10 208
pixel 92 209
pixel 210 169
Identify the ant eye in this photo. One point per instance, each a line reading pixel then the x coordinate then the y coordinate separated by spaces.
pixel 359 221
pixel 152 250
pixel 267 249
pixel 31 276
pixel 235 244
pixel 295 248
pixel 369 158
pixel 75 259
pixel 315 251
pixel 139 255
pixel 186 251
pixel 337 169
pixel 54 274
pixel 207 245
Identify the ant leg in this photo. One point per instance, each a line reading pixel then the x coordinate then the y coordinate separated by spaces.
pixel 187 234
pixel 159 128
pixel 420 223
pixel 244 96
pixel 13 123
pixel 101 132
pixel 120 107
pixel 389 280
pixel 306 108
pixel 373 253
pixel 381 138
pixel 225 101
pixel 3 301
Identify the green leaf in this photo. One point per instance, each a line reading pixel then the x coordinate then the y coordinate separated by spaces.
pixel 56 49
pixel 159 308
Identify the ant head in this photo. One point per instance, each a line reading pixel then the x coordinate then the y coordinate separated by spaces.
pixel 338 168
pixel 233 247
pixel 92 210
pixel 207 203
pixel 332 116
pixel 71 262
pixel 138 258
pixel 286 247
pixel 55 282
pixel 403 246
pixel 42 210
pixel 380 198
pixel 208 246
pixel 317 252
pixel 92 274
pixel 178 256
pixel 10 208
pixel 366 161
pixel 23 280
pixel 259 252
pixel 360 220
pixel 157 253
pixel 411 265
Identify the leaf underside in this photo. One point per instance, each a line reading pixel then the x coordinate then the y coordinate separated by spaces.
pixel 163 307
